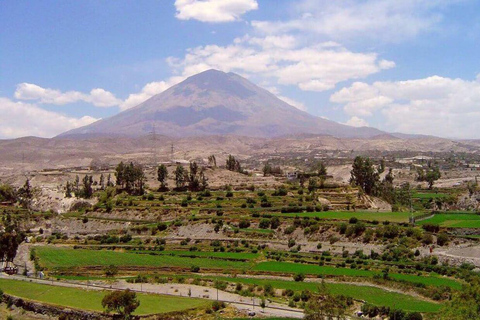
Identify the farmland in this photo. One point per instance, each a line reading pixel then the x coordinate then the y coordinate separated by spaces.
pixel 91 299
pixel 272 242
pixel 454 220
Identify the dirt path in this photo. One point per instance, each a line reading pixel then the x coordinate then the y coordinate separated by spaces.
pixel 184 290
pixel 22 259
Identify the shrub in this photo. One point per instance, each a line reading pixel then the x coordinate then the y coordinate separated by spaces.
pixel 299 277
pixel 194 268
pixel 243 224
pixel 442 239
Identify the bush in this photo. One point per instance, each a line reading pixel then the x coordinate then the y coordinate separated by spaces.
pixel 195 269
pixel 264 224
pixel 111 270
pixel 442 239
pixel 243 224
pixel 353 220
pixel 299 277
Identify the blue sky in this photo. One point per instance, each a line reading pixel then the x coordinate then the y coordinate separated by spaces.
pixel 410 66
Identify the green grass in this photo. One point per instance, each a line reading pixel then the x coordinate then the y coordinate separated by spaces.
pixel 51 258
pixel 91 299
pixel 287 267
pixel 220 255
pixel 64 258
pixel 346 215
pixel 428 281
pixel 454 220
pixel 311 269
pixel 375 296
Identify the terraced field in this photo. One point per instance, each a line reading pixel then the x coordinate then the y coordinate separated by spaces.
pixel 91 299
pixel 373 295
pixel 346 215
pixel 454 220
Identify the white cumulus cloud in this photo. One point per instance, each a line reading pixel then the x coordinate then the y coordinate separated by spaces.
pixel 148 91
pixel 213 10
pixel 316 67
pixel 386 20
pixel 98 97
pixel 435 105
pixel 23 119
pixel 356 122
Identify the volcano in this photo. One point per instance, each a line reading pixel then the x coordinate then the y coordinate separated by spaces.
pixel 217 103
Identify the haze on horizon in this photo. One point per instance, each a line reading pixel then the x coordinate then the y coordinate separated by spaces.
pixel 409 66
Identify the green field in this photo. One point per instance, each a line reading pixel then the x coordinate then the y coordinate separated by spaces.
pixel 220 255
pixel 52 257
pixel 454 220
pixel 273 266
pixel 372 295
pixel 61 258
pixel 91 299
pixel 346 215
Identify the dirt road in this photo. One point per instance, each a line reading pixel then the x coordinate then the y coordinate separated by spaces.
pixel 184 290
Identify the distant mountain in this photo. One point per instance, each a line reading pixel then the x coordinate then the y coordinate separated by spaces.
pixel 217 103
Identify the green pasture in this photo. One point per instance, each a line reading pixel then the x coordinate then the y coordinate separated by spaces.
pixel 91 299
pixel 454 220
pixel 346 215
pixel 53 257
pixel 373 295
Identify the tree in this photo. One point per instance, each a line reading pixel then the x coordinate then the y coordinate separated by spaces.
pixel 321 169
pixel 123 302
pixel 25 194
pixel 162 175
pixel 430 175
pixel 267 169
pixel 180 177
pixel 193 179
pixel 87 190
pixel 212 161
pixel 102 182
pixel 203 180
pixel 233 165
pixel 77 185
pixel 109 180
pixel 322 173
pixel 111 270
pixel 68 190
pixel 10 239
pixel 364 175
pixel 7 193
pixel 130 178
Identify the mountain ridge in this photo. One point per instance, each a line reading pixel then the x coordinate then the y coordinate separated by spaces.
pixel 215 103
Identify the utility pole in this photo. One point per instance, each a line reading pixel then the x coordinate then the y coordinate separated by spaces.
pixel 154 145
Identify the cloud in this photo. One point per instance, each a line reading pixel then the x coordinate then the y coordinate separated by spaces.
pixel 22 119
pixel 213 10
pixel 386 20
pixel 435 105
pixel 148 91
pixel 98 97
pixel 317 67
pixel 357 122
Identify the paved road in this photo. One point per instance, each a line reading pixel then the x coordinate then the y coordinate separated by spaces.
pixel 174 289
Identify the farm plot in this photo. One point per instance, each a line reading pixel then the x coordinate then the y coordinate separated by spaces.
pixel 373 295
pixel 346 215
pixel 52 258
pixel 91 299
pixel 454 220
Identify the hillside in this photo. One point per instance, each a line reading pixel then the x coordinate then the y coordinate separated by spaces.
pixel 217 103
